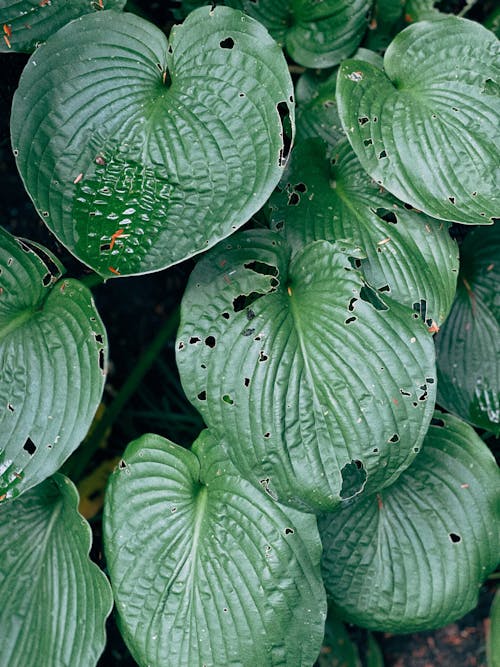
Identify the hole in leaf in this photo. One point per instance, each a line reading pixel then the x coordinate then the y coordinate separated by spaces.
pixel 267 435
pixel 293 199
pixel 455 538
pixel 244 300
pixel 248 332
pixel 386 215
pixel 394 438
pixel 300 187
pixel 452 199
pixel 194 339
pixel 404 393
pixel 435 421
pixel 263 356
pixel 384 288
pixel 98 338
pixel 10 407
pixel 363 120
pixel 122 465
pixel 369 295
pixel 367 142
pixel 382 155
pixel 210 341
pixel 225 316
pixel 202 396
pixel 227 43
pixel 353 479
pixel 247 382
pixel 180 346
pixel 289 531
pixel 350 320
pixel 350 306
pixel 286 133
pixel 29 446
pixel 102 361
pixel 262 268
pixel 227 399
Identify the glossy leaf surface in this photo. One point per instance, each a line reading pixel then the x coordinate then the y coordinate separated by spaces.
pixel 413 556
pixel 326 194
pixel 53 352
pixel 426 128
pixel 318 387
pixel 139 152
pixel 26 23
pixel 55 600
pixel 315 34
pixel 206 569
pixel 468 345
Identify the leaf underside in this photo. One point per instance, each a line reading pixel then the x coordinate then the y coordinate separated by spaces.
pixel 205 568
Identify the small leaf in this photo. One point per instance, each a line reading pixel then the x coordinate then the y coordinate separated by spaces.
pixel 413 556
pixel 338 649
pixel 53 355
pixel 432 136
pixel 318 387
pixel 26 24
pixel 326 194
pixel 206 569
pixel 315 34
pixel 139 152
pixel 54 599
pixel 468 345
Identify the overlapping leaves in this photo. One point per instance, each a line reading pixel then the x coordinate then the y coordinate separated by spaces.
pixel 413 556
pixel 139 152
pixel 205 568
pixel 468 345
pixel 54 599
pixel 52 363
pixel 318 387
pixel 426 128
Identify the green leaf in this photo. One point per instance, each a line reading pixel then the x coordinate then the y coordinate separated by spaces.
pixel 338 649
pixel 318 387
pixel 138 152
pixel 387 20
pixel 54 599
pixel 26 23
pixel 374 656
pixel 53 352
pixel 468 345
pixel 493 639
pixel 317 114
pixel 326 194
pixel 431 136
pixel 315 34
pixel 205 568
pixel 413 556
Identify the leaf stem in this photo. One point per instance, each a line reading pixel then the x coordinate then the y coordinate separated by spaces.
pixel 75 466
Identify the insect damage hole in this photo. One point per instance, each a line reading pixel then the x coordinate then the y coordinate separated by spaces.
pixel 353 479
pixel 29 446
pixel 455 538
pixel 227 43
pixel 286 132
pixel 386 215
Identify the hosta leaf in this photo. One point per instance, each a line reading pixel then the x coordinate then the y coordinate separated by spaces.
pixel 315 34
pixel 139 152
pixel 27 23
pixel 493 639
pixel 387 20
pixel 327 195
pixel 338 649
pixel 317 114
pixel 206 569
pixel 468 345
pixel 52 363
pixel 413 556
pixel 426 128
pixel 318 387
pixel 54 599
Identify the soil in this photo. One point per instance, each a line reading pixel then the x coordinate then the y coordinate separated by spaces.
pixel 132 311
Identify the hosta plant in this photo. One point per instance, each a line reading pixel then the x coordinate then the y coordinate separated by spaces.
pixel 338 334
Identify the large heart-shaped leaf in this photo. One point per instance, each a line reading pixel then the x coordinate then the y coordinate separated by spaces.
pixel 326 194
pixel 413 556
pixel 139 152
pixel 318 387
pixel 426 128
pixel 468 346
pixel 26 23
pixel 206 569
pixel 54 599
pixel 53 352
pixel 315 34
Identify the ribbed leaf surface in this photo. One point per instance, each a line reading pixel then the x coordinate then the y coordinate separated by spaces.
pixel 315 34
pixel 53 353
pixel 139 152
pixel 54 599
pixel 413 556
pixel 427 128
pixel 206 569
pixel 27 23
pixel 315 390
pixel 468 346
pixel 410 256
